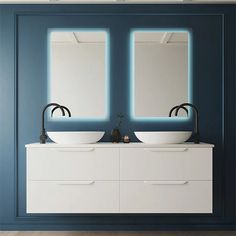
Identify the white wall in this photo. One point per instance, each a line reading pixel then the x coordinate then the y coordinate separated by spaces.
pixel 161 78
pixel 78 78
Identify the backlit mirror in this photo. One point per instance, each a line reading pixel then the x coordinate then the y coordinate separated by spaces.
pixel 78 72
pixel 160 72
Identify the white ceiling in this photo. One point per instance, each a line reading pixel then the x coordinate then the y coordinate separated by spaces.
pixel 114 1
pixel 62 37
pixel 161 37
pixel 78 37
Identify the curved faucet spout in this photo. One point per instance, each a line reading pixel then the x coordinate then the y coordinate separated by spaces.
pixel 63 107
pixel 43 136
pixel 49 105
pixel 175 107
pixel 196 127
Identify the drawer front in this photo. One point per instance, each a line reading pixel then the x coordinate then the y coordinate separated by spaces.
pixel 166 164
pixel 73 197
pixel 72 163
pixel 166 197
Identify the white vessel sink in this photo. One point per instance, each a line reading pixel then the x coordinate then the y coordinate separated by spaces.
pixel 163 137
pixel 74 137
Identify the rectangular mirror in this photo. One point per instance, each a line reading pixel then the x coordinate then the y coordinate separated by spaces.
pixel 78 72
pixel 160 72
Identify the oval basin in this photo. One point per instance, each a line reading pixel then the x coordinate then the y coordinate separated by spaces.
pixel 163 137
pixel 75 137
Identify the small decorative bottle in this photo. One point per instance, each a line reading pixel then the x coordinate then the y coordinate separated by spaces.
pixel 126 139
pixel 115 133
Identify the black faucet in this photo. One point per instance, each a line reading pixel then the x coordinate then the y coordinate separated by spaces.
pixel 63 107
pixel 43 136
pixel 195 135
pixel 175 107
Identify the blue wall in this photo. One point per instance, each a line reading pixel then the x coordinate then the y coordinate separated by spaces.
pixel 23 75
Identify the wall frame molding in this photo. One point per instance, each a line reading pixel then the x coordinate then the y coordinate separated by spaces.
pixel 71 221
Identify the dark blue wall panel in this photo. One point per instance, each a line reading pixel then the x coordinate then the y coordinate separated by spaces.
pixel 23 76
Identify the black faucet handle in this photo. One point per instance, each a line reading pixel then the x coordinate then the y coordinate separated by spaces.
pixel 43 137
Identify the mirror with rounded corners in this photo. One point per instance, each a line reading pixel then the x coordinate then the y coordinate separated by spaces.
pixel 160 72
pixel 78 72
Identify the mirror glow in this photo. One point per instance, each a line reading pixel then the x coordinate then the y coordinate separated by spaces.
pixel 160 72
pixel 78 73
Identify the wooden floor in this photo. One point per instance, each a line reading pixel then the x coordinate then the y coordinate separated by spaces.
pixel 61 233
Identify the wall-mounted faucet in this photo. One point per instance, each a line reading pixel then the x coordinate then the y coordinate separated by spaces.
pixel 195 135
pixel 43 136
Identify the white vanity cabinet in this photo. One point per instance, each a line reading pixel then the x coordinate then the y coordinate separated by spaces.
pixel 82 179
pixel 166 180
pixel 119 178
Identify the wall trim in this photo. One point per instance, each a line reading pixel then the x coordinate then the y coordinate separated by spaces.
pixel 49 222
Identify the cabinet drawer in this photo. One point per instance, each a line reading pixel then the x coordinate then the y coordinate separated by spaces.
pixel 166 164
pixel 166 197
pixel 73 163
pixel 73 197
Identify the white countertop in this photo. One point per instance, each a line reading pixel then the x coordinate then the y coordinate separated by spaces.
pixel 120 145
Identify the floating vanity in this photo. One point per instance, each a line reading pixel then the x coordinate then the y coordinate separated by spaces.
pixel 119 178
